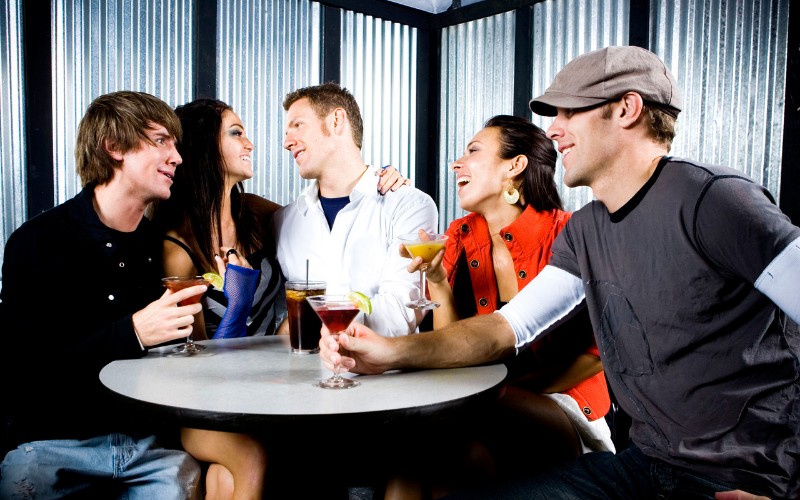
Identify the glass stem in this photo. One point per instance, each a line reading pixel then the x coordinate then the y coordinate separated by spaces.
pixel 336 367
pixel 423 298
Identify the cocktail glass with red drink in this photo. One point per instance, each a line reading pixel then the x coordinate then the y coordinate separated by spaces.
pixel 174 284
pixel 336 312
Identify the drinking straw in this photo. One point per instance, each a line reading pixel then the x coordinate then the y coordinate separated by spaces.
pixel 306 273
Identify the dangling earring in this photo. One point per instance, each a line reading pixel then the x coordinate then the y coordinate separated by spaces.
pixel 511 195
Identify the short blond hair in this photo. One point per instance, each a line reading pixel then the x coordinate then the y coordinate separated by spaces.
pixel 325 98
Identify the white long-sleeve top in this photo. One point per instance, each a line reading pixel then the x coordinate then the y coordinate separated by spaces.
pixel 361 252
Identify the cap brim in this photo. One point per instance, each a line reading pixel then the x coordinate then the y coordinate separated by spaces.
pixel 546 104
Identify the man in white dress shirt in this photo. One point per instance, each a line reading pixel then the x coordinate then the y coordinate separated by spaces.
pixel 341 226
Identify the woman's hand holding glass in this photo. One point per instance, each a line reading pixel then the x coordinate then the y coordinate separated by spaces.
pixel 435 273
pixel 423 248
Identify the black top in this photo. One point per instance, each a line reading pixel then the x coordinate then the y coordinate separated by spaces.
pixel 70 286
pixel 269 300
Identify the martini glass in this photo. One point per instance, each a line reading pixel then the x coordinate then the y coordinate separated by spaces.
pixel 175 283
pixel 336 313
pixel 425 245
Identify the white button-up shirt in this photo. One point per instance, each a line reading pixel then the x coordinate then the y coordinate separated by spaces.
pixel 361 252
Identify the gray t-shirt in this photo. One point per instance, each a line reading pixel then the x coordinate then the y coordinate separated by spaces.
pixel 702 361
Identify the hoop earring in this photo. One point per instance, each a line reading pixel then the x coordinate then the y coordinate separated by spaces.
pixel 511 195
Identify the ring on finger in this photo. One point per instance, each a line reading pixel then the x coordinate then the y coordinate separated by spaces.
pixel 230 252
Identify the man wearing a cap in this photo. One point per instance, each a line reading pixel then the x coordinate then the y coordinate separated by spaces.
pixel 690 274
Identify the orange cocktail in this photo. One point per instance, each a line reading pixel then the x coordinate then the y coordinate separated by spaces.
pixel 426 246
pixel 425 249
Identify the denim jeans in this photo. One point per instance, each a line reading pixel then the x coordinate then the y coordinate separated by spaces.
pixel 629 474
pixel 111 466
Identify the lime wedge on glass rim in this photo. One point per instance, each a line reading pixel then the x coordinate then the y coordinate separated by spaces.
pixel 215 280
pixel 361 301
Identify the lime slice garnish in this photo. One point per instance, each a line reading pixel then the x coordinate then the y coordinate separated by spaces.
pixel 215 280
pixel 361 301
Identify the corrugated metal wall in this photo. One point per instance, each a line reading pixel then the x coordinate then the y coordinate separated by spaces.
pixel 729 56
pixel 272 47
pixel 379 67
pixel 561 31
pixel 101 46
pixel 477 83
pixel 266 49
pixel 478 75
pixel 12 117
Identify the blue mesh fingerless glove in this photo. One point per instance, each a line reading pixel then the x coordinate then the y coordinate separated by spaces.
pixel 240 287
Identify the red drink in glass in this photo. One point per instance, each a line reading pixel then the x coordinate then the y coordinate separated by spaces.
pixel 336 313
pixel 337 318
pixel 176 283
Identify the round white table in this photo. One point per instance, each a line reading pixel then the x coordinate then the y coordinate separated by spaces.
pixel 244 384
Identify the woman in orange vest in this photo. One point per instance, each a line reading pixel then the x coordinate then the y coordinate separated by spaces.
pixel 557 388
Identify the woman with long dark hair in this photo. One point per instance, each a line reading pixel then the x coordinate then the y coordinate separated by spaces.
pixel 209 219
pixel 209 222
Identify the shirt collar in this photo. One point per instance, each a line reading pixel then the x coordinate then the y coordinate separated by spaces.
pixel 308 197
pixel 83 211
pixel 366 186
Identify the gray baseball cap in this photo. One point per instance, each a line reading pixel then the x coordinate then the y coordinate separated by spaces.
pixel 607 74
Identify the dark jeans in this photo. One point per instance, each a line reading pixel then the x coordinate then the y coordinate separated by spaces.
pixel 629 474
